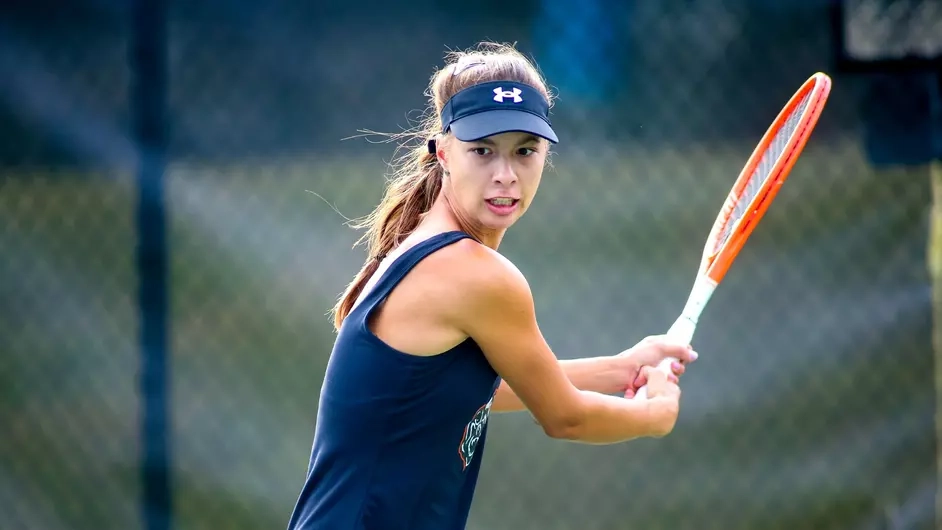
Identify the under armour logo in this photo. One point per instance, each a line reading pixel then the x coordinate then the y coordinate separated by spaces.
pixel 500 94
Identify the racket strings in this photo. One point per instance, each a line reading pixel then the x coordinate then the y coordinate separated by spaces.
pixel 763 169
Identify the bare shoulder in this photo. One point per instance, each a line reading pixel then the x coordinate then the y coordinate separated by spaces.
pixel 485 283
pixel 479 269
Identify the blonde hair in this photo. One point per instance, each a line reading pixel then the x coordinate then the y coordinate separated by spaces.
pixel 417 176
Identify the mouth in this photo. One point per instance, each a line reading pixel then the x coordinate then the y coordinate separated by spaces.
pixel 502 205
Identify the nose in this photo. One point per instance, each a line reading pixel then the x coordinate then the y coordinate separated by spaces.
pixel 505 174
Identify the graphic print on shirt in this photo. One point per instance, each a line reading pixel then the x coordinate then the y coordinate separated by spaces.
pixel 472 433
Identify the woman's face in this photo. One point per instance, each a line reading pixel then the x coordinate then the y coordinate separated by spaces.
pixel 494 180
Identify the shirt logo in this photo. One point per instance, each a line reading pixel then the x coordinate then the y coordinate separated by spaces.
pixel 472 434
pixel 500 94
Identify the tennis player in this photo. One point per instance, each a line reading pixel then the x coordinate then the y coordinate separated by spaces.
pixel 438 330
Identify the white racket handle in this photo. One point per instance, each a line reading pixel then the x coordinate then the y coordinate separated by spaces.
pixel 685 325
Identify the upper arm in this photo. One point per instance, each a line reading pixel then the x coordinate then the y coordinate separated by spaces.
pixel 497 312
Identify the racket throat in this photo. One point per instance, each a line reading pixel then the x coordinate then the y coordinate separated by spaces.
pixel 686 324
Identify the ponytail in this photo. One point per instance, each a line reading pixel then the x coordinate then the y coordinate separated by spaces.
pixel 408 196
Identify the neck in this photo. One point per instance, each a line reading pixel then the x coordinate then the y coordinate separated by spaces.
pixel 441 217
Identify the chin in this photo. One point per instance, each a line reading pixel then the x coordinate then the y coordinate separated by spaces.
pixel 493 222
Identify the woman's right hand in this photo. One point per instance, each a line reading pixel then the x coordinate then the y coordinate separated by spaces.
pixel 665 392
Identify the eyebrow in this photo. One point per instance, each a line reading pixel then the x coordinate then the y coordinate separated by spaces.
pixel 527 139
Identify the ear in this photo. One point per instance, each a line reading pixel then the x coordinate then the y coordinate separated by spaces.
pixel 437 147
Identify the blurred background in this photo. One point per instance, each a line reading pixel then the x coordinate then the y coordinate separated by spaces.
pixel 174 183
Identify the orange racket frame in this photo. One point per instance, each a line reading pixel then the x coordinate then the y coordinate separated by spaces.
pixel 719 255
pixel 716 262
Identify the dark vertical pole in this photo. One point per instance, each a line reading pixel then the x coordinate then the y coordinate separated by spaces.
pixel 148 57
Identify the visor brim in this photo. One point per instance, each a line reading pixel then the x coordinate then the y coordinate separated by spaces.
pixel 491 122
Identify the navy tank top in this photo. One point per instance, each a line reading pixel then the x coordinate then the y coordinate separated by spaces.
pixel 398 438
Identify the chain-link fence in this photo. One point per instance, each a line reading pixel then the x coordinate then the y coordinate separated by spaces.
pixel 812 405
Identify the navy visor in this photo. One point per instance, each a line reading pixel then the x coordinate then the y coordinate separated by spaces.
pixel 497 107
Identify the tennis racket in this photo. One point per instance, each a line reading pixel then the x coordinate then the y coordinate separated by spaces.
pixel 753 192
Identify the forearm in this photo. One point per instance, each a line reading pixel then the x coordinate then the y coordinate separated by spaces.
pixel 608 419
pixel 593 374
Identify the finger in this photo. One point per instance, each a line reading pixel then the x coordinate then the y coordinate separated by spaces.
pixel 644 376
pixel 671 347
pixel 678 368
pixel 652 339
pixel 673 379
pixel 685 354
pixel 653 375
pixel 690 355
